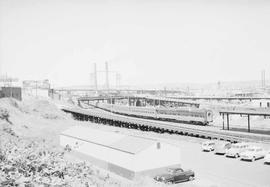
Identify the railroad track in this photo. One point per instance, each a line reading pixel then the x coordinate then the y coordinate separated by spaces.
pixel 104 117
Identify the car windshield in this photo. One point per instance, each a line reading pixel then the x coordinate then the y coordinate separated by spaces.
pixel 235 146
pixel 208 143
pixel 174 170
pixel 221 144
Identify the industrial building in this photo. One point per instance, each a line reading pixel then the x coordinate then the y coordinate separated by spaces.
pixel 14 92
pixel 36 87
pixel 127 156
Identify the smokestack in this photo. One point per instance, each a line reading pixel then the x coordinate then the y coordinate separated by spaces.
pixel 107 75
pixel 95 77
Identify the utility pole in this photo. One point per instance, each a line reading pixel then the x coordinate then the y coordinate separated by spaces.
pixel 263 78
pixel 95 77
pixel 107 75
pixel 36 85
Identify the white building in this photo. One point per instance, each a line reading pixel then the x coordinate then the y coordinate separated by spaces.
pixel 128 156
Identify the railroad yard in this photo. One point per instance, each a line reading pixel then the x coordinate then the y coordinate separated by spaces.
pixel 19 123
pixel 134 93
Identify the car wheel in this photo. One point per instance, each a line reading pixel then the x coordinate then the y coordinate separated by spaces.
pixel 169 182
pixel 191 178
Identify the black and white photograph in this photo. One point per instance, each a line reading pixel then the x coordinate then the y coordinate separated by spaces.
pixel 134 93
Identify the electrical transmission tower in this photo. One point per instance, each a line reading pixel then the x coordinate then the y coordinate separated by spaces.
pixel 94 76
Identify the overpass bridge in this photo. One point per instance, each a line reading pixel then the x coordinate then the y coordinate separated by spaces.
pixel 209 98
pixel 123 90
pixel 141 100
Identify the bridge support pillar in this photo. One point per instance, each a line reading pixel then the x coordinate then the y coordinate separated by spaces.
pixel 223 122
pixel 248 123
pixel 228 122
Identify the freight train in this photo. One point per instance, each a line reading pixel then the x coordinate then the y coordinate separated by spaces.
pixel 183 114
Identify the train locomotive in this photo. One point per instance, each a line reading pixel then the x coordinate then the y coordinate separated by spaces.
pixel 183 114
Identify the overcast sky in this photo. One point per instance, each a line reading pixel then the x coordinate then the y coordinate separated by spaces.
pixel 146 41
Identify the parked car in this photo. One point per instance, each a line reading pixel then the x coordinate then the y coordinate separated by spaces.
pixel 222 147
pixel 252 153
pixel 175 175
pixel 236 149
pixel 208 146
pixel 267 158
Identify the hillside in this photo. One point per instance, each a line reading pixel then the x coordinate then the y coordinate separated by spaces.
pixel 30 154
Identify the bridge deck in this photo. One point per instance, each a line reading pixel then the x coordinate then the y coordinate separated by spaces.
pixel 220 98
pixel 160 99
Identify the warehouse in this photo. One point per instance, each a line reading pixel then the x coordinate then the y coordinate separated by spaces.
pixel 128 156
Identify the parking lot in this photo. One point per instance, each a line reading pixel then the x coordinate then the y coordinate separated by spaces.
pixel 210 169
pixel 218 170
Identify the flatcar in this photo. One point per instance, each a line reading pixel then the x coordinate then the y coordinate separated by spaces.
pixel 183 114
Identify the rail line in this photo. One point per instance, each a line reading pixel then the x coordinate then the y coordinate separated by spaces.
pixel 98 116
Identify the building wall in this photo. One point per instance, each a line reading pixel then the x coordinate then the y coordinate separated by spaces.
pixel 153 172
pixel 128 174
pixel 36 92
pixel 54 95
pixel 153 157
pixel 130 166
pixel 79 151
pixel 124 172
pixel 15 92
